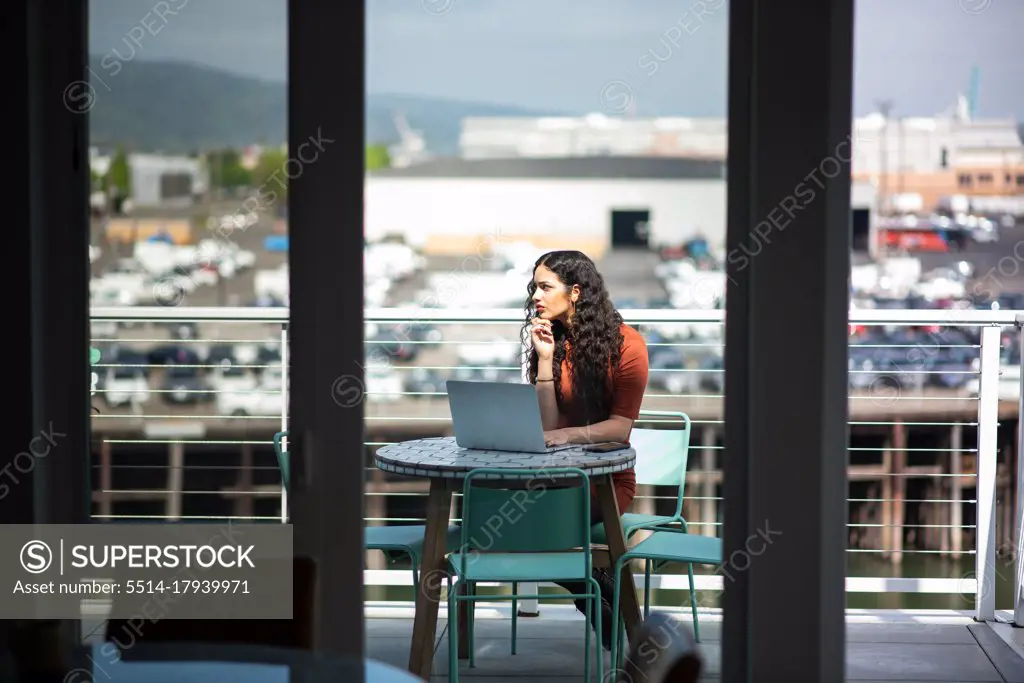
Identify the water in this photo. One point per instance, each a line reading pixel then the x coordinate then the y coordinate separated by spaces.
pixel 926 565
pixel 859 564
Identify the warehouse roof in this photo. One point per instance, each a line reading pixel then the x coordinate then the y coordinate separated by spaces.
pixel 597 167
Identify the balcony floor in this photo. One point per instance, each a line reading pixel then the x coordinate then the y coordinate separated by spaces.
pixel 882 645
pixel 898 645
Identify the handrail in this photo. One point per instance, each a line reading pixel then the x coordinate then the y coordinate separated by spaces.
pixel 280 314
pixel 255 314
pixel 988 323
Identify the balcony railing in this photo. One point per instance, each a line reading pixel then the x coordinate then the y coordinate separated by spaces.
pixel 190 398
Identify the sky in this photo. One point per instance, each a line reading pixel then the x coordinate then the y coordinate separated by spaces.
pixel 569 55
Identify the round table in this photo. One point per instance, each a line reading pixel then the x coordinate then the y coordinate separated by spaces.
pixel 445 464
pixel 441 457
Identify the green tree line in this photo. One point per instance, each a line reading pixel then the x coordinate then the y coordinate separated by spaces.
pixel 226 170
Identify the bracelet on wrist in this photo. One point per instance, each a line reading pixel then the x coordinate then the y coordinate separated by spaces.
pixel 546 380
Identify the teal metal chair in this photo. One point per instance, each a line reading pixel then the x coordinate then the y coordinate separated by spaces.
pixel 662 456
pixel 662 546
pixel 661 459
pixel 395 541
pixel 519 552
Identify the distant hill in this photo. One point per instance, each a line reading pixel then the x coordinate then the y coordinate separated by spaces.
pixel 176 107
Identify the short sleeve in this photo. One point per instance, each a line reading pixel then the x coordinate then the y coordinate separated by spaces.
pixel 630 380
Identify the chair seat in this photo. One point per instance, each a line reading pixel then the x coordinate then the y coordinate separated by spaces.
pixel 631 521
pixel 671 546
pixel 407 536
pixel 520 566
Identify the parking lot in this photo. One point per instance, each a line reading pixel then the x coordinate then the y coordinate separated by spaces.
pixel 220 367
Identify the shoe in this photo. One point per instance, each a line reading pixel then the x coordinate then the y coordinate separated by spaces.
pixel 392 555
pixel 607 584
pixel 607 587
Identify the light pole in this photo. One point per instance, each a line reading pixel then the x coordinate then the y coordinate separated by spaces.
pixel 884 107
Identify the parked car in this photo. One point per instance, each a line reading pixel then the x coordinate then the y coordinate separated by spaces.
pixel 124 385
pixel 226 371
pixel 383 383
pixel 229 377
pixel 422 382
pixel 712 375
pixel 667 371
pixel 261 401
pixel 166 354
pixel 185 385
pixel 496 351
pixel 954 367
pixel 272 376
pixel 393 345
pixel 427 335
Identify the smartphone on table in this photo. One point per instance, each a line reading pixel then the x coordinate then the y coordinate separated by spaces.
pixel 605 447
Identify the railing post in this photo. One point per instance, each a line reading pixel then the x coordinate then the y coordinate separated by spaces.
pixel 1018 555
pixel 284 411
pixel 988 429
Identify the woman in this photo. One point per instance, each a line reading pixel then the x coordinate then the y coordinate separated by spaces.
pixel 590 370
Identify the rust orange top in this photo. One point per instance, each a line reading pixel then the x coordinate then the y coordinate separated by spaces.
pixel 628 382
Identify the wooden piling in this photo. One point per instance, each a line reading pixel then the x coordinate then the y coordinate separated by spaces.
pixel 898 459
pixel 244 503
pixel 708 504
pixel 175 479
pixel 956 490
pixel 106 479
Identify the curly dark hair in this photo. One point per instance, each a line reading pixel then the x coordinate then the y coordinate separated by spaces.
pixel 595 337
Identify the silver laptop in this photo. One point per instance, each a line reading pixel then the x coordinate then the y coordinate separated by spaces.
pixel 497 416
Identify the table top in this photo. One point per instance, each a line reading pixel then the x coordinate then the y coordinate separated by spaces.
pixel 440 457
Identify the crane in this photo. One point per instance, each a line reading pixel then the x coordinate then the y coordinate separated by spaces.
pixel 411 146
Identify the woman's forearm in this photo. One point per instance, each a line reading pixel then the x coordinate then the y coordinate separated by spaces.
pixel 546 395
pixel 606 430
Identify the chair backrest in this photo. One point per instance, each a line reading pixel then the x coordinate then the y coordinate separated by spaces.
pixel 549 513
pixel 661 454
pixel 282 459
pixel 663 651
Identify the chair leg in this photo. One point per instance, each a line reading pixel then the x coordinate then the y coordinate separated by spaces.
pixel 453 632
pixel 693 603
pixel 471 623
pixel 594 603
pixel 586 636
pixel 515 613
pixel 647 588
pixel 615 619
pixel 622 644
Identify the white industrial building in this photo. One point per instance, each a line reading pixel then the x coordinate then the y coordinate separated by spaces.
pixel 930 144
pixel 494 137
pixel 909 144
pixel 592 203
pixel 158 180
